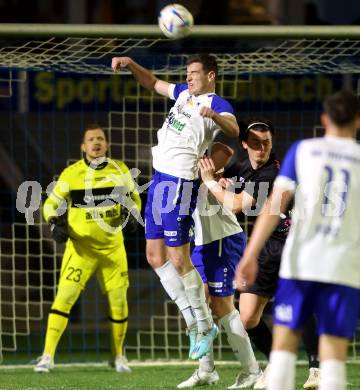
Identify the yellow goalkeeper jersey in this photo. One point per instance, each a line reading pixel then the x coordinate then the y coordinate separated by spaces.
pixel 95 198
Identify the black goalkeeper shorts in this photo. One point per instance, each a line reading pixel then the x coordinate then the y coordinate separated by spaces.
pixel 269 264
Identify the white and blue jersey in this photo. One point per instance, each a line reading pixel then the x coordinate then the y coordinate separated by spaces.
pixel 212 221
pixel 324 239
pixel 320 266
pixel 182 141
pixel 185 134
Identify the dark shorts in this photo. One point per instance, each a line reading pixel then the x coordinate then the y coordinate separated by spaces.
pixel 269 264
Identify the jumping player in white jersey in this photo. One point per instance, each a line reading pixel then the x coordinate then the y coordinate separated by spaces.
pixel 196 117
pixel 320 269
pixel 219 245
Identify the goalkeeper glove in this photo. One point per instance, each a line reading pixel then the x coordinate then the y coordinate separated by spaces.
pixel 59 229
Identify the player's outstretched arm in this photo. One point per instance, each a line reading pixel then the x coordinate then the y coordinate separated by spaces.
pixel 142 75
pixel 265 224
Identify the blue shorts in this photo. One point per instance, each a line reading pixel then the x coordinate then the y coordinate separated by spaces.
pixel 216 263
pixel 169 207
pixel 335 306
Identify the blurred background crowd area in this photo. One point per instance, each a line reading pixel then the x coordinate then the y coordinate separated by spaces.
pixel 233 12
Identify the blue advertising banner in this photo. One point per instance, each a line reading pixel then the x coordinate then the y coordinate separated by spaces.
pixel 48 91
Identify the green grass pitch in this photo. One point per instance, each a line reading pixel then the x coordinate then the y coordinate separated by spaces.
pixel 143 377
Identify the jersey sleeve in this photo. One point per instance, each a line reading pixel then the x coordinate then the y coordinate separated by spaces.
pixel 130 183
pixel 287 178
pixel 176 89
pixel 221 106
pixel 58 196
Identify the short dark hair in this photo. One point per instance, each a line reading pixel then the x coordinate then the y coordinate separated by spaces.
pixel 208 62
pixel 342 107
pixel 254 124
pixel 92 126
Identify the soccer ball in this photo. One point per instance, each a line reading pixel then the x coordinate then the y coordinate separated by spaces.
pixel 175 21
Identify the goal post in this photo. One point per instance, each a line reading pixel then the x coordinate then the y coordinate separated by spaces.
pixel 54 79
pixel 203 31
pixel 252 49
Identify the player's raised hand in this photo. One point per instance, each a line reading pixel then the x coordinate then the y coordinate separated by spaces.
pixel 207 169
pixel 246 272
pixel 120 63
pixel 206 112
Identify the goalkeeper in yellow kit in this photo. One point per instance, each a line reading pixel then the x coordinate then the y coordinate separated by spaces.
pixel 101 198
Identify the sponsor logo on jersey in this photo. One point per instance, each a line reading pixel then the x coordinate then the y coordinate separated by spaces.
pixel 175 123
pixel 92 198
pixel 95 214
pixel 284 312
pixel 96 196
pixel 180 110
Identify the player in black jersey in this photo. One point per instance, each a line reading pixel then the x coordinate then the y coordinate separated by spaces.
pixel 250 180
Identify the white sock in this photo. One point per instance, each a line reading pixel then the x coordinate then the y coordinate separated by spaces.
pixel 173 285
pixel 239 341
pixel 332 375
pixel 195 292
pixel 282 371
pixel 206 363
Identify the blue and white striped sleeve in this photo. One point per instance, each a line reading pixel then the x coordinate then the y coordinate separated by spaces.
pixel 175 90
pixel 221 106
pixel 287 178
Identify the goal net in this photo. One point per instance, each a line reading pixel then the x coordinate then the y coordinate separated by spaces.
pixel 51 86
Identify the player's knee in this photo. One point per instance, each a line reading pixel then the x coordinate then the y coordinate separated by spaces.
pixel 154 259
pixel 249 320
pixel 182 263
pixel 118 296
pixel 221 307
pixel 66 297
